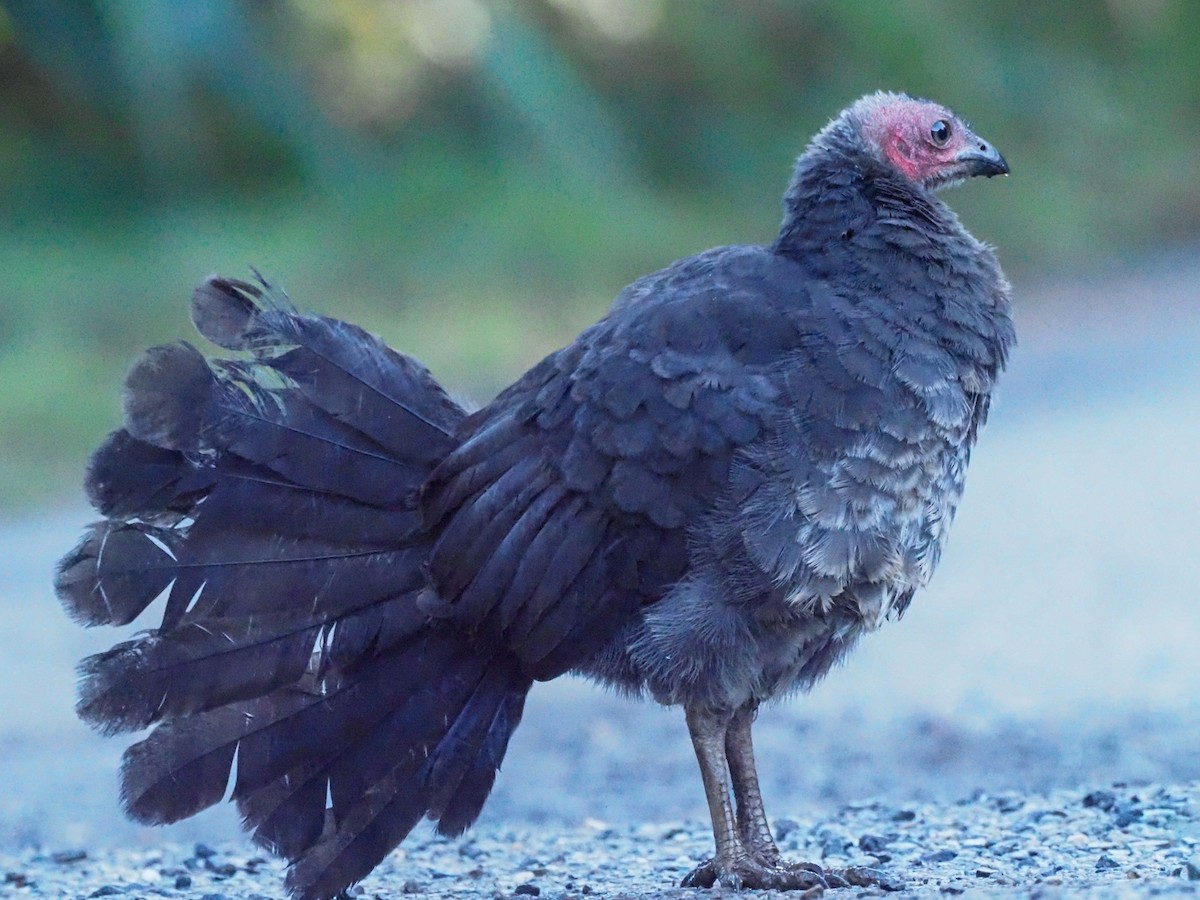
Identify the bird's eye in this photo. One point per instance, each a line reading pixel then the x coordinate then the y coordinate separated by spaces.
pixel 940 132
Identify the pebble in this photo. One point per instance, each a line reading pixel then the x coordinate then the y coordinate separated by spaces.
pixel 1101 799
pixel 1127 815
pixel 872 843
pixel 1009 804
pixel 939 856
pixel 784 827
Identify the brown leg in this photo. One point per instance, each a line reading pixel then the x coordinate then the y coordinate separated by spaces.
pixel 751 817
pixel 733 866
pixel 708 729
pixel 747 855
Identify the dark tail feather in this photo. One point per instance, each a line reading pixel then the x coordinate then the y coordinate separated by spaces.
pixel 460 807
pixel 176 401
pixel 128 477
pixel 417 732
pixel 263 506
pixel 271 500
pixel 443 767
pixel 340 368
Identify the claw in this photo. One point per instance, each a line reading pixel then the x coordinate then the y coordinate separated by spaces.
pixel 703 876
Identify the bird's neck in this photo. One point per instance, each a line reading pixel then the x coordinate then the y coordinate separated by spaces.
pixel 845 209
pixel 874 236
pixel 838 193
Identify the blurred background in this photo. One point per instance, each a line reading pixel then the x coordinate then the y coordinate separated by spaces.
pixel 476 179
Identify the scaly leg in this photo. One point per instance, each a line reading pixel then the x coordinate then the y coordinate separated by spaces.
pixel 747 856
pixel 751 817
pixel 735 866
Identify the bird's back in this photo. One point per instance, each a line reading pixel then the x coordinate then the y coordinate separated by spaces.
pixel 568 506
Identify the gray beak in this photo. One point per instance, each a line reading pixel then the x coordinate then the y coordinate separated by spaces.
pixel 981 158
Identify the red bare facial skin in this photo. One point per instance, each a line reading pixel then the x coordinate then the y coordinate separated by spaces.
pixel 926 142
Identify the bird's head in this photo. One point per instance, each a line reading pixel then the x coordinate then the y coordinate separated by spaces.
pixel 924 141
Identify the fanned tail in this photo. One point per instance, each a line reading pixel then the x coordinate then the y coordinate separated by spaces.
pixel 270 498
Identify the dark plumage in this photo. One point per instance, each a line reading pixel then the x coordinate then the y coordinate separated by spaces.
pixel 707 497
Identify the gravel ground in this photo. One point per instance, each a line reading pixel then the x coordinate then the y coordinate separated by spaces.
pixel 1115 841
pixel 1031 727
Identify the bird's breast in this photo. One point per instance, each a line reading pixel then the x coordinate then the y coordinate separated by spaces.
pixel 861 498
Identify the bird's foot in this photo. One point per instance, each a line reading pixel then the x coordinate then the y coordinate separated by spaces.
pixel 769 872
pixel 757 873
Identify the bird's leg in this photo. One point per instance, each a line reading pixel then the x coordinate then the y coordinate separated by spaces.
pixel 752 823
pixel 734 866
pixel 708 729
pixel 751 817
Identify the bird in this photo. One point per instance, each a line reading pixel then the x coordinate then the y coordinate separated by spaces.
pixel 706 499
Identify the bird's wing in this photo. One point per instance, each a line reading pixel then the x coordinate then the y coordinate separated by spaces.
pixel 566 507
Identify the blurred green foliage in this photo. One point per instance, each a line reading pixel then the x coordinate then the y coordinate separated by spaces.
pixel 475 179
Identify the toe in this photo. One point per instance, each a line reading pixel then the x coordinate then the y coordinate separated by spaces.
pixel 861 876
pixel 797 878
pixel 703 876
